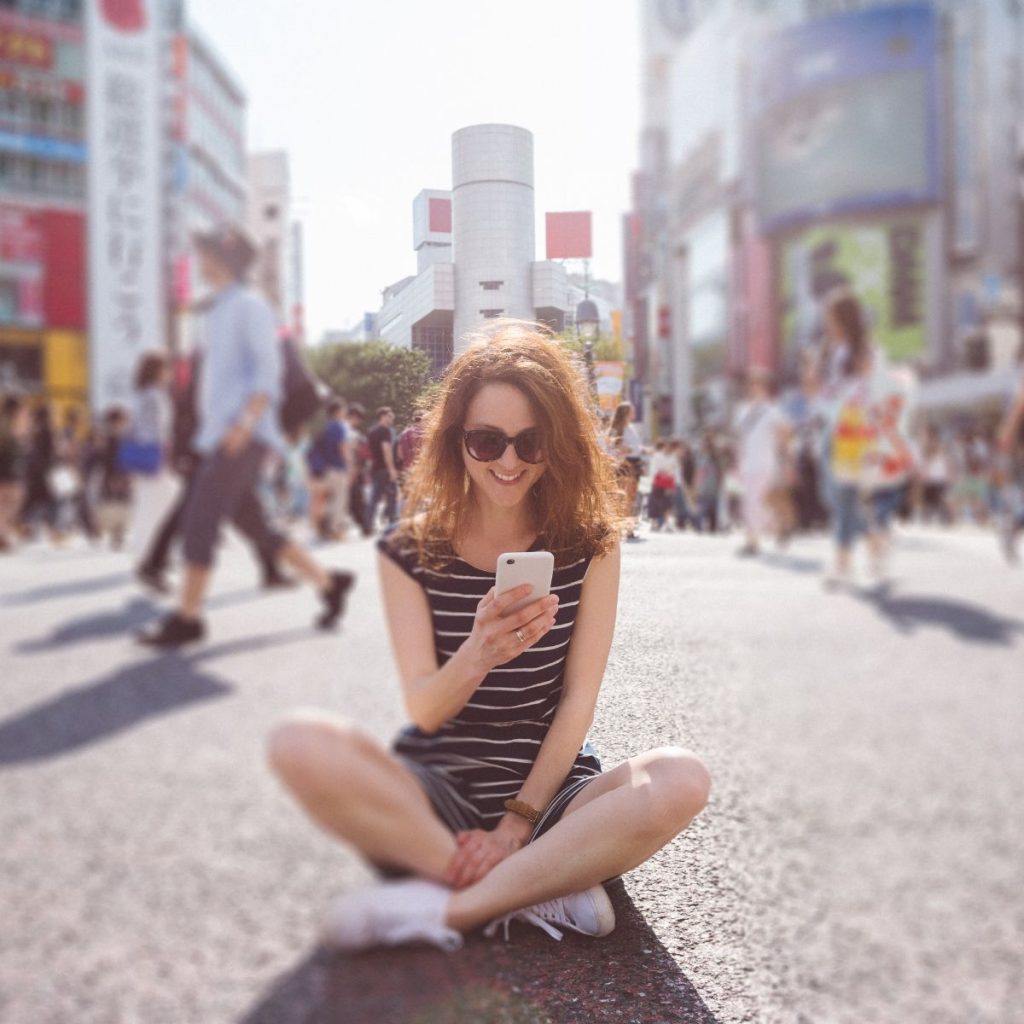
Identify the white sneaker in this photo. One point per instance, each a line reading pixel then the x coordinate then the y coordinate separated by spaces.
pixel 390 914
pixel 589 913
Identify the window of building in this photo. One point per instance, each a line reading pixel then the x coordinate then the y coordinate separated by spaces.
pixel 490 314
pixel 270 211
pixel 491 286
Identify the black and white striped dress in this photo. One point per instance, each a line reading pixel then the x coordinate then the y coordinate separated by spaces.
pixel 481 757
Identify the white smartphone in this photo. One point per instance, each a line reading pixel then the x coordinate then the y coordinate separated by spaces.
pixel 518 567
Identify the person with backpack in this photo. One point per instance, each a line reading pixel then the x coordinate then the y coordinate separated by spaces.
pixel 239 394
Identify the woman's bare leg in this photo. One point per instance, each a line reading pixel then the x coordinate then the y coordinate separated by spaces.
pixel 613 825
pixel 354 789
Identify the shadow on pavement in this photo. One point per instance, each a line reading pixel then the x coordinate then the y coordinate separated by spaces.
pixel 965 621
pixel 72 588
pixel 628 976
pixel 132 695
pixel 136 613
pixel 792 563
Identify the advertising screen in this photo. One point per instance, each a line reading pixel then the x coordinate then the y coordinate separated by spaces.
pixel 846 116
pixel 883 263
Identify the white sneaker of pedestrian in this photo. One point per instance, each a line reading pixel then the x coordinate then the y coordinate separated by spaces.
pixel 390 914
pixel 589 912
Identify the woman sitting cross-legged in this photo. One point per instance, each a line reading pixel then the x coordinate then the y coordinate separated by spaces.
pixel 492 799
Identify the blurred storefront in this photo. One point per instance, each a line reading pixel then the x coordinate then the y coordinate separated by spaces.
pixel 121 133
pixel 42 204
pixel 794 146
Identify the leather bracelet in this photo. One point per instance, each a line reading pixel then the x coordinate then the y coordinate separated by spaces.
pixel 524 810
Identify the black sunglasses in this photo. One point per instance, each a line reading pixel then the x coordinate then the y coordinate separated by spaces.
pixel 489 445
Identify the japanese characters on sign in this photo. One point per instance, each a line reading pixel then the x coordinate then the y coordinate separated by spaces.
pixel 125 297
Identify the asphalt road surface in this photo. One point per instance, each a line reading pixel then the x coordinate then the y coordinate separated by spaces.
pixel 860 860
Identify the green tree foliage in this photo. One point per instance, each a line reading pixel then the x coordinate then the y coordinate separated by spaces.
pixel 373 373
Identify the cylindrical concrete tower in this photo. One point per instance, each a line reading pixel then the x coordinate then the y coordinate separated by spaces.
pixel 492 224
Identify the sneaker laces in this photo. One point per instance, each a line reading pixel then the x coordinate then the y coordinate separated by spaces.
pixel 540 915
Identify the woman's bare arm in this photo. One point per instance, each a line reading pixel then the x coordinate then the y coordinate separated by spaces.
pixel 435 694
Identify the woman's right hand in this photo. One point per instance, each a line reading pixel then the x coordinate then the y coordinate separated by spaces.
pixel 493 640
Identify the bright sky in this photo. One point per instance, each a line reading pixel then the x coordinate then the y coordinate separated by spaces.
pixel 364 97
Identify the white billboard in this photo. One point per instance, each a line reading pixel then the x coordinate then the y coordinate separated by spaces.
pixel 123 82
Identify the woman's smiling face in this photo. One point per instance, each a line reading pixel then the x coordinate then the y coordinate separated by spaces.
pixel 507 480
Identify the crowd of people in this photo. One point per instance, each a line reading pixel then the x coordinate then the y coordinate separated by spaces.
pixel 844 450
pixel 841 450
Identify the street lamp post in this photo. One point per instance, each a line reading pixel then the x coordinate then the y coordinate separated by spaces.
pixel 588 324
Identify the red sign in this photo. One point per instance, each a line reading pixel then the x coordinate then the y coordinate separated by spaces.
pixel 21 240
pixel 125 15
pixel 568 235
pixel 440 215
pixel 20 46
pixel 64 277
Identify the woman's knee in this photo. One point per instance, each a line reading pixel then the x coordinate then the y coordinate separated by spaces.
pixel 309 749
pixel 680 785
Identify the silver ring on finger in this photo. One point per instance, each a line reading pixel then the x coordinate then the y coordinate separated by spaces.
pixel 520 636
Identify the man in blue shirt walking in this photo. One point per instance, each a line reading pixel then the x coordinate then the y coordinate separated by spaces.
pixel 239 393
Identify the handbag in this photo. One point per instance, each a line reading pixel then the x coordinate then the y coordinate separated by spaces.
pixel 143 457
pixel 664 481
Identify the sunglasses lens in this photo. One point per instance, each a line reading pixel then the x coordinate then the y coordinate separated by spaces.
pixel 485 445
pixel 528 447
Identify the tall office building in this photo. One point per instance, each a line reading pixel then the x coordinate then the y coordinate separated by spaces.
pixel 791 146
pixel 476 251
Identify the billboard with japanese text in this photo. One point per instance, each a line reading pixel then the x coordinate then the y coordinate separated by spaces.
pixel 126 312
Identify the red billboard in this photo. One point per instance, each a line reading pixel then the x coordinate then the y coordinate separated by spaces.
pixel 64 274
pixel 568 235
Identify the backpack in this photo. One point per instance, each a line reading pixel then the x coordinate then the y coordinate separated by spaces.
pixel 301 392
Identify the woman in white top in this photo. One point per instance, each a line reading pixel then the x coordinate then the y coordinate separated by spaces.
pixel 151 425
pixel 665 473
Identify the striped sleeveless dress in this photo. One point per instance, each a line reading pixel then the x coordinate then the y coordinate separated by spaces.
pixel 481 757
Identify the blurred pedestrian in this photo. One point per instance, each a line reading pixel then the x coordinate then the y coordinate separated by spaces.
pixel 330 458
pixel 39 501
pixel 383 472
pixel 1010 444
pixel 760 429
pixel 493 800
pixel 686 495
pixel 408 446
pixel 664 481
pixel 708 484
pixel 239 392
pixel 150 435
pixel 629 450
pixel 805 411
pixel 871 459
pixel 13 428
pixel 114 491
pixel 358 484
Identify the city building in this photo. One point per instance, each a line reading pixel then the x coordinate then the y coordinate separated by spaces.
pixel 43 302
pixel 95 255
pixel 787 147
pixel 278 271
pixel 475 250
pixel 208 168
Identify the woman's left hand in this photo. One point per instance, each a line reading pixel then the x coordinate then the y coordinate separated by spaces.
pixel 477 852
